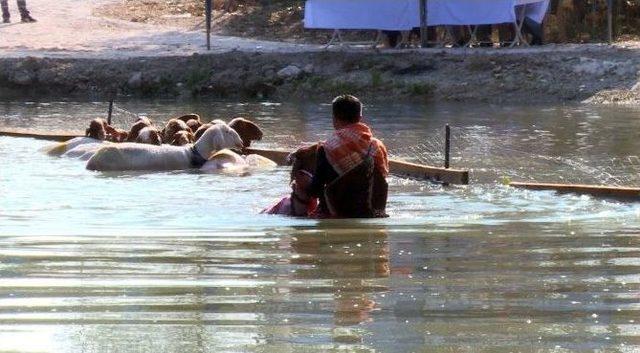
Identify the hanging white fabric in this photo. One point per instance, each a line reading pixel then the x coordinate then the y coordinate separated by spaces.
pixel 405 14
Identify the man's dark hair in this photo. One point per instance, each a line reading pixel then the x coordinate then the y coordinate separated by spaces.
pixel 347 108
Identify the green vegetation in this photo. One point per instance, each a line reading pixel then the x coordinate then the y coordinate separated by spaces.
pixel 376 78
pixel 195 79
pixel 337 87
pixel 421 89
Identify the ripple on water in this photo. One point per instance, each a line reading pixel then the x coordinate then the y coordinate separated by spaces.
pixel 308 289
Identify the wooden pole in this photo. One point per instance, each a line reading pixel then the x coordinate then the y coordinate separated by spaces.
pixel 593 190
pixel 208 8
pixel 610 21
pixel 447 146
pixel 424 33
pixel 594 21
pixel 110 111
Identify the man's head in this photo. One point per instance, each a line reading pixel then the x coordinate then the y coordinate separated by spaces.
pixel 347 109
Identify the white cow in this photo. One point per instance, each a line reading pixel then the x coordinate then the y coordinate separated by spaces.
pixel 134 156
pixel 229 161
pixel 61 148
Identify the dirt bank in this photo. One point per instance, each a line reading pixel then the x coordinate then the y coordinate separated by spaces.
pixel 74 51
pixel 547 75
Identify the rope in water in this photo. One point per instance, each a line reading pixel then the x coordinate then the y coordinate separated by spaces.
pixel 129 118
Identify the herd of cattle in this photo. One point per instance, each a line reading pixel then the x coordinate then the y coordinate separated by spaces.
pixel 183 143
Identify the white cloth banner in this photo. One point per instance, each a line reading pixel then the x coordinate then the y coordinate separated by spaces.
pixel 362 14
pixel 405 14
pixel 469 12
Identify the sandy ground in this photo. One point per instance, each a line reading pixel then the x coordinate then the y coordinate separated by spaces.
pixel 68 28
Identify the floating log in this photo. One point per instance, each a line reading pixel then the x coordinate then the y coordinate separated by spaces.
pixel 593 190
pixel 400 168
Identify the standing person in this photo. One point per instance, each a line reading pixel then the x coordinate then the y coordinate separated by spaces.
pixel 22 7
pixel 351 167
pixel 350 171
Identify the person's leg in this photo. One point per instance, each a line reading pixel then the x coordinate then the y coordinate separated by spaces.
pixel 535 30
pixel 507 34
pixel 483 34
pixel 432 35
pixel 24 13
pixel 392 38
pixel 459 35
pixel 5 11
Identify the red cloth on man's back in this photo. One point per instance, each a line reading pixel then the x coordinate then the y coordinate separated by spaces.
pixel 346 148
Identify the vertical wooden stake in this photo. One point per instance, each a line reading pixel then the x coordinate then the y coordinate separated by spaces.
pixel 424 34
pixel 208 7
pixel 594 20
pixel 110 111
pixel 610 21
pixel 447 146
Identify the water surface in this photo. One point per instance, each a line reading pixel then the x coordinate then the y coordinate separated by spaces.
pixel 182 261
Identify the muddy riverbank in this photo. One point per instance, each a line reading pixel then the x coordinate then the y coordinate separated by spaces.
pixel 549 74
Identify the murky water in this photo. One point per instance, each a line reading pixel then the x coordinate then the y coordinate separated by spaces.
pixel 183 262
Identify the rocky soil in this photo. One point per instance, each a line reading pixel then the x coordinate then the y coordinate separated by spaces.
pixel 598 74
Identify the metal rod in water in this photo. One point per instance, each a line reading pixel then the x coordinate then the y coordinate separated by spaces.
pixel 208 7
pixel 110 111
pixel 447 146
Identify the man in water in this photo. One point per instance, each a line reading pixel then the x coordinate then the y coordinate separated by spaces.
pixel 22 7
pixel 351 167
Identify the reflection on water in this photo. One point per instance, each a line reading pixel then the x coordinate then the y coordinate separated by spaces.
pixel 309 290
pixel 202 293
pixel 183 262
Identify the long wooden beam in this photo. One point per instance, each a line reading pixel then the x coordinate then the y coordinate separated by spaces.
pixel 437 174
pixel 61 136
pixel 627 193
pixel 400 168
pixel 278 156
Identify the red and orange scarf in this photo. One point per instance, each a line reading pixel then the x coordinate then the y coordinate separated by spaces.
pixel 348 146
